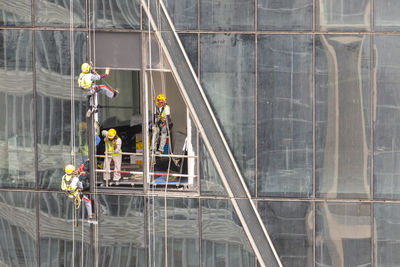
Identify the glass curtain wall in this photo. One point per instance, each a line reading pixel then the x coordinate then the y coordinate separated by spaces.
pixel 306 94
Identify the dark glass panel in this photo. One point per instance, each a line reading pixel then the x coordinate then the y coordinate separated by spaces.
pixel 227 15
pixel 387 121
pixel 224 242
pixel 386 15
pixel 17 167
pixel 121 231
pixel 60 241
pixel 387 234
pixel 284 109
pixel 183 13
pixel 182 233
pixel 58 13
pixel 115 14
pixel 227 72
pixel 190 44
pixel 291 230
pixel 210 181
pixel 287 15
pixel 343 234
pixel 16 13
pixel 17 229
pixel 53 85
pixel 343 119
pixel 343 15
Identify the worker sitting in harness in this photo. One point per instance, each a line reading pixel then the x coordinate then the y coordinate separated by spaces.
pixel 87 80
pixel 73 187
pixel 161 123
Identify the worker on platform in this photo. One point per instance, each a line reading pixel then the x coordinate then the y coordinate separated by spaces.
pixel 72 185
pixel 113 151
pixel 87 80
pixel 161 123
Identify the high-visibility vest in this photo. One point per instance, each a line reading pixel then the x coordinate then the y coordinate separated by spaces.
pixel 83 146
pixel 85 80
pixel 110 146
pixel 67 186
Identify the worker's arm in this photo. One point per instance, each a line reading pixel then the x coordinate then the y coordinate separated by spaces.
pixel 118 145
pixel 96 77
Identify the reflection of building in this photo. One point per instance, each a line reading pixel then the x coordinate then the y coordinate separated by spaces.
pixel 310 112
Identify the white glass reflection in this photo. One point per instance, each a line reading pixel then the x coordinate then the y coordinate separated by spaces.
pixel 115 14
pixel 343 116
pixel 17 165
pixel 387 121
pixel 17 229
pixel 342 234
pixel 343 15
pixel 284 108
pixel 227 72
pixel 386 15
pixel 57 13
pixel 223 238
pixel 53 86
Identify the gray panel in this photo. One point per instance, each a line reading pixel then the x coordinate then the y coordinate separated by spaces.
pixel 343 120
pixel 118 50
pixel 227 72
pixel 57 13
pixel 223 237
pixel 182 232
pixel 60 242
pixel 121 231
pixel 343 15
pixel 227 15
pixel 288 15
pixel 16 110
pixel 190 44
pixel 53 86
pixel 386 15
pixel 18 229
pixel 118 14
pixel 386 126
pixel 210 181
pixel 183 13
pixel 387 234
pixel 284 108
pixel 15 13
pixel 343 234
pixel 291 228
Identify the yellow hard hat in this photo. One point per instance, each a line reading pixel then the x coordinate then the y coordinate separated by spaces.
pixel 161 98
pixel 85 67
pixel 82 126
pixel 69 169
pixel 111 133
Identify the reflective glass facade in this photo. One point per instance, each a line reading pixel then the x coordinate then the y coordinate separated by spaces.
pixel 306 94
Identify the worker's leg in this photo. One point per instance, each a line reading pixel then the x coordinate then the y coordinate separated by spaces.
pixel 106 91
pixel 117 166
pixel 88 205
pixel 106 167
pixel 154 138
pixel 163 139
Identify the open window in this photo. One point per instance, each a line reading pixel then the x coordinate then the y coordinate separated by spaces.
pixel 132 114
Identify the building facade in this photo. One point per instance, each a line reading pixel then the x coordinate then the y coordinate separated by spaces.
pixel 304 91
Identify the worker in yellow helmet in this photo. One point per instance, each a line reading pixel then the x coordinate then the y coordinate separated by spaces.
pixel 87 80
pixel 113 151
pixel 161 123
pixel 72 186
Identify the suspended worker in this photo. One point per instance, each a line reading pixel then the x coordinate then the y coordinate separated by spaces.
pixel 113 151
pixel 73 186
pixel 161 123
pixel 87 80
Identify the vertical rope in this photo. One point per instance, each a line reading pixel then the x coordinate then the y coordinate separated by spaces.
pixel 72 54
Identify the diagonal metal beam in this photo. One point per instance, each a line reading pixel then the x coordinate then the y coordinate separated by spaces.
pixel 211 133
